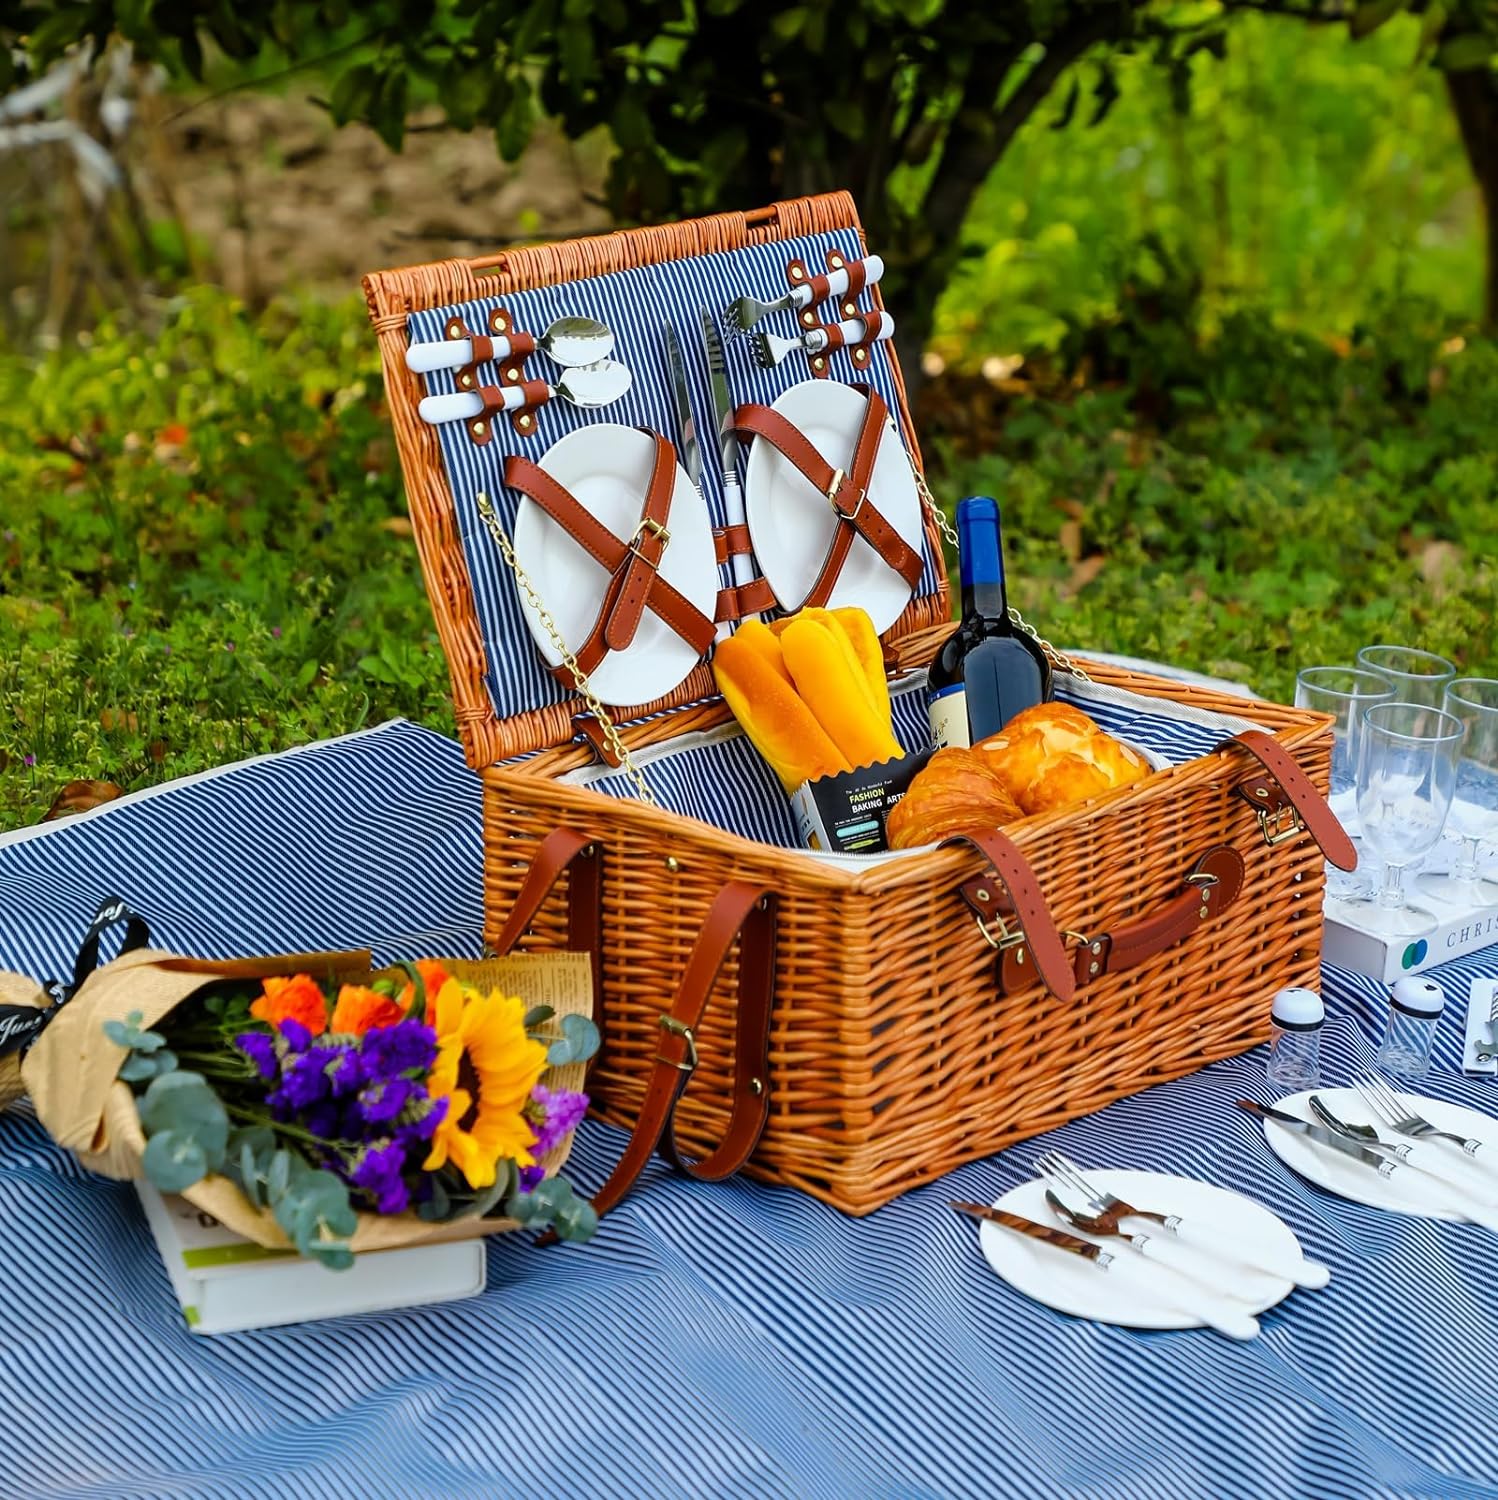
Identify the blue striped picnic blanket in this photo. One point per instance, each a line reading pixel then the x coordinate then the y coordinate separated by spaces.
pixel 734 1340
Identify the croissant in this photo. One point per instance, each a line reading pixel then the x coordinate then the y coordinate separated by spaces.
pixel 1052 755
pixel 954 792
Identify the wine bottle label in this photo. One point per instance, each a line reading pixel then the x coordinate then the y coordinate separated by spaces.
pixel 948 713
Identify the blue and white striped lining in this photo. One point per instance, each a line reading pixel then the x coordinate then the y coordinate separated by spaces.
pixel 637 304
pixel 719 779
pixel 730 1340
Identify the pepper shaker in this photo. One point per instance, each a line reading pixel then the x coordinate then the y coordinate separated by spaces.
pixel 1415 1006
pixel 1295 1040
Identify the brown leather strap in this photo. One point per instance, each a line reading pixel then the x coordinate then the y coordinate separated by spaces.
pixel 562 851
pixel 536 393
pixel 730 541
pixel 848 494
pixel 1011 889
pixel 821 286
pixel 632 565
pixel 752 598
pixel 1211 886
pixel 1288 787
pixel 745 912
pixel 872 322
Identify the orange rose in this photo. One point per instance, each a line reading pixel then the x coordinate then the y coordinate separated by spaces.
pixel 360 1010
pixel 433 975
pixel 299 998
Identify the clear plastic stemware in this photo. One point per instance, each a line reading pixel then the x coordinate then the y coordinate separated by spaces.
pixel 1415 676
pixel 1474 807
pixel 1345 693
pixel 1406 778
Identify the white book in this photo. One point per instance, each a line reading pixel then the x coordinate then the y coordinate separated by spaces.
pixel 226 1283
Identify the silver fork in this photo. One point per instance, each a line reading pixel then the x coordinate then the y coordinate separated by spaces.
pixel 1399 1117
pixel 744 312
pixel 1110 1209
pixel 770 348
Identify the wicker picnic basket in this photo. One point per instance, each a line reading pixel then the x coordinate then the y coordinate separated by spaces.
pixel 857 1030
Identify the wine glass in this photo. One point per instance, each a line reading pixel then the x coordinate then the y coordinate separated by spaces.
pixel 1406 777
pixel 1415 676
pixel 1474 809
pixel 1344 693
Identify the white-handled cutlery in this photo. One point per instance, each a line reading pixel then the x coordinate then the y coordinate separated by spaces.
pixel 744 312
pixel 569 342
pixel 1152 1278
pixel 589 386
pixel 1105 1213
pixel 770 348
pixel 728 443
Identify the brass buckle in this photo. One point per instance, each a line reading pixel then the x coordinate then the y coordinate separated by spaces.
pixel 656 530
pixel 1202 878
pixel 1271 824
pixel 681 1029
pixel 838 476
pixel 1005 939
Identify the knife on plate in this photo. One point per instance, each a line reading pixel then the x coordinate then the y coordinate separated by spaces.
pixel 1152 1279
pixel 1384 1161
pixel 728 443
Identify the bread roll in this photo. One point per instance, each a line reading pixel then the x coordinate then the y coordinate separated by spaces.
pixel 1053 755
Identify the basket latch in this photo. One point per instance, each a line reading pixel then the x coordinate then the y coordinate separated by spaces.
pixel 685 1032
pixel 1274 826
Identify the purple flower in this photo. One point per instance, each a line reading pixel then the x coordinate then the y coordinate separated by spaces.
pixel 391 1050
pixel 305 1080
pixel 378 1173
pixel 298 1038
pixel 563 1108
pixel 322 1120
pixel 28 760
pixel 275 630
pixel 419 1128
pixel 531 1178
pixel 383 1099
pixel 228 645
pixel 344 1072
pixel 260 1048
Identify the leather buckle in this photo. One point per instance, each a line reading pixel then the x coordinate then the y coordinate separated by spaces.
pixel 1202 878
pixel 681 1029
pixel 839 479
pixel 1005 939
pixel 1272 821
pixel 656 530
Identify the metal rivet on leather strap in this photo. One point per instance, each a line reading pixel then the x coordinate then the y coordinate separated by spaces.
pixel 497 321
pixel 818 362
pixel 756 1086
pixel 849 309
pixel 477 429
pixel 589 851
pixel 860 354
pixel 513 373
pixel 523 420
pixel 1260 791
pixel 1092 968
pixel 465 380
pixel 1202 912
pixel 797 274
pixel 455 329
pixel 980 894
pixel 835 261
pixel 809 318
pixel 1019 955
pixel 1097 947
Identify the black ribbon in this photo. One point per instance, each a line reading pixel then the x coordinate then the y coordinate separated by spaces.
pixel 21 1025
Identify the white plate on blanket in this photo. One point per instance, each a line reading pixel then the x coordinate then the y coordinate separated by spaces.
pixel 606 468
pixel 1072 1285
pixel 1406 1191
pixel 791 524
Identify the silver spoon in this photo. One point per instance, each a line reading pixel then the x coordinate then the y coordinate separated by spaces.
pixel 569 342
pixel 593 385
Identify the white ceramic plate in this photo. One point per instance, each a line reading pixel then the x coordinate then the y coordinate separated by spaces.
pixel 1407 1191
pixel 791 524
pixel 606 468
pixel 1073 1285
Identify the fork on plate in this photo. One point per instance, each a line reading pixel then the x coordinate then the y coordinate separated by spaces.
pixel 1108 1209
pixel 1403 1120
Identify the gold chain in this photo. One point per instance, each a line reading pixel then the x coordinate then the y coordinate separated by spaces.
pixel 585 691
pixel 1058 657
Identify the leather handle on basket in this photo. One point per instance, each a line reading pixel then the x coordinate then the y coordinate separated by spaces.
pixel 745 913
pixel 1288 787
pixel 1012 878
pixel 562 850
pixel 1210 886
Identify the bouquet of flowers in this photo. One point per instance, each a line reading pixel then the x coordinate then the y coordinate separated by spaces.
pixel 337 1113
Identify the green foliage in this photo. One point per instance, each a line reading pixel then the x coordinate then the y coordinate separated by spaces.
pixel 203 550
pixel 578 1042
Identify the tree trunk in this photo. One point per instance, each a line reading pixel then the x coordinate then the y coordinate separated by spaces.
pixel 1474 97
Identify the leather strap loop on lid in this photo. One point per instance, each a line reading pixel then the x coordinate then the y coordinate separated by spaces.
pixel 1012 889
pixel 634 583
pixel 845 489
pixel 1291 788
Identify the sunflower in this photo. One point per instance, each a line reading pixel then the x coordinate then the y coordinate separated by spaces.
pixel 486 1068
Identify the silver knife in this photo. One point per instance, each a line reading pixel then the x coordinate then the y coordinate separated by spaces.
pixel 1385 1166
pixel 728 443
pixel 691 454
pixel 1232 1321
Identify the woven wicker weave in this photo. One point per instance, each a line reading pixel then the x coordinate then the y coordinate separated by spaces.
pixel 893 1058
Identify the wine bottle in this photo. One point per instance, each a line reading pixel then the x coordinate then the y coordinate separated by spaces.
pixel 986 670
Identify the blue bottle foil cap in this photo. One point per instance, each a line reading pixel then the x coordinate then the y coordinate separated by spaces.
pixel 1298 1010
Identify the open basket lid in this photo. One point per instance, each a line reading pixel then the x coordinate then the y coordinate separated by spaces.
pixel 637 282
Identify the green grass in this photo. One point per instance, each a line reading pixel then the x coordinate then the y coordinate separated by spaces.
pixel 204 553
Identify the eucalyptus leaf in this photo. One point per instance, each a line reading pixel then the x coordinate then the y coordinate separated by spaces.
pixel 121 1034
pixel 537 1015
pixel 183 1101
pixel 279 1177
pixel 578 1042
pixel 137 1068
pixel 577 1221
pixel 173 1161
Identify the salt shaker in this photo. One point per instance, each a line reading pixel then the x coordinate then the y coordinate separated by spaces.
pixel 1415 1006
pixel 1295 1040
